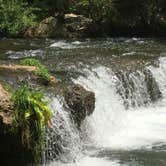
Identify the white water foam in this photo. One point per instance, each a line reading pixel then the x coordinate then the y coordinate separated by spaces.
pixel 63 137
pixel 67 45
pixel 25 53
pixel 159 73
pixel 115 128
pixel 89 161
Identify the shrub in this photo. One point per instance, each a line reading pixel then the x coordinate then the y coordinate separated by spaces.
pixel 15 16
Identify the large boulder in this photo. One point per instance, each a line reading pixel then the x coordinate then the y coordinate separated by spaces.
pixel 70 26
pixel 49 27
pixel 80 101
pixel 77 25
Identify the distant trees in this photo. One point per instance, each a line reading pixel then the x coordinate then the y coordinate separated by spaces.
pixel 17 14
pixel 50 6
pixel 141 12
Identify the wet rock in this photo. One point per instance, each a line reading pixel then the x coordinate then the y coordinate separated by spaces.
pixel 80 101
pixel 152 86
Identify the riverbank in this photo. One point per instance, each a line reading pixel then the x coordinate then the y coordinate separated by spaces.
pixel 82 18
pixel 76 26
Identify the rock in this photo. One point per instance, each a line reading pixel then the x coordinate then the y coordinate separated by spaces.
pixel 77 24
pixel 6 107
pixel 137 88
pixel 152 86
pixel 72 26
pixel 49 27
pixel 29 32
pixel 80 101
pixel 25 74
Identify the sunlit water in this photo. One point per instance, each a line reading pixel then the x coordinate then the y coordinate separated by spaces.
pixel 128 126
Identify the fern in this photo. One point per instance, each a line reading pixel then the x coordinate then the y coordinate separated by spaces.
pixel 31 115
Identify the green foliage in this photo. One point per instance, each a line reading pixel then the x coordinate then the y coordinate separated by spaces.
pixel 148 14
pixel 31 115
pixel 124 14
pixel 41 71
pixel 144 11
pixel 15 16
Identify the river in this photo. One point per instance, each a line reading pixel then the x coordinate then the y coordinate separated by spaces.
pixel 128 76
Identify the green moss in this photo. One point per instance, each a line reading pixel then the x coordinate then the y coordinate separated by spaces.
pixel 41 71
pixel 31 116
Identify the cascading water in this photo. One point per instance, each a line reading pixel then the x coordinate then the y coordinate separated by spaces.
pixel 128 125
pixel 112 126
pixel 117 128
pixel 137 88
pixel 63 141
pixel 159 73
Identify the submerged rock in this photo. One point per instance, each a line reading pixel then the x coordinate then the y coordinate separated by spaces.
pixel 80 101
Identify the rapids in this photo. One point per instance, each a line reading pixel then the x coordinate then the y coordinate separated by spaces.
pixel 128 76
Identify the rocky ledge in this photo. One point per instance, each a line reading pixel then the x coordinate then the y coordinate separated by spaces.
pixel 80 103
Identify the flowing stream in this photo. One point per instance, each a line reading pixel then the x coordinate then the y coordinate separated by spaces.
pixel 128 76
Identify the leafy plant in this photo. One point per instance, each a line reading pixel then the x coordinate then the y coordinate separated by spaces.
pixel 41 71
pixel 31 115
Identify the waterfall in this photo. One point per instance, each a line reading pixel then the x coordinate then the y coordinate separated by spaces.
pixel 63 141
pixel 129 115
pixel 159 72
